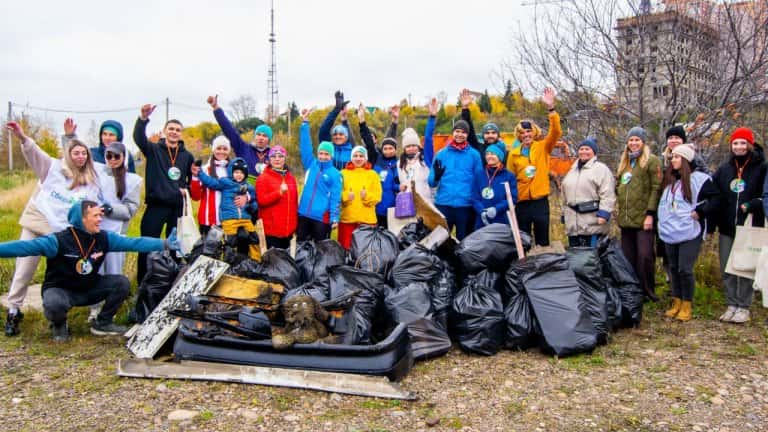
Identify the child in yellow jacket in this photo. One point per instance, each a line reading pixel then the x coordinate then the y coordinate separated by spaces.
pixel 361 191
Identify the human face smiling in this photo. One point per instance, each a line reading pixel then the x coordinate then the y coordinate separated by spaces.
pixel 459 135
pixel 634 144
pixel 108 137
pixel 221 153
pixel 79 155
pixel 740 147
pixel 114 160
pixel 358 159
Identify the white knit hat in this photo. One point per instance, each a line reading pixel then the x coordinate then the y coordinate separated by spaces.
pixel 686 151
pixel 221 141
pixel 410 137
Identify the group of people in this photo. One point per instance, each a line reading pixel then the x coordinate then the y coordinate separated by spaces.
pixel 347 185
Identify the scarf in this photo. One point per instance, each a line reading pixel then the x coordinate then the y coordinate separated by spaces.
pixel 458 146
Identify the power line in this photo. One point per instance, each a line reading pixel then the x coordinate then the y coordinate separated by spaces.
pixel 69 111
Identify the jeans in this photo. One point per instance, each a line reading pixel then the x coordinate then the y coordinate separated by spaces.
pixel 113 289
pixel 682 257
pixel 461 218
pixel 738 290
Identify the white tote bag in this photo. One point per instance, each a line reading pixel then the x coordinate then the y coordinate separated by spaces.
pixel 747 245
pixel 186 227
pixel 761 275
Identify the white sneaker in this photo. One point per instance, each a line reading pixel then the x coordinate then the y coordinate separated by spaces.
pixel 728 314
pixel 740 316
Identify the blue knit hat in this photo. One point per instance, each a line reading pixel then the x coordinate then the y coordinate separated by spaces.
pixel 590 142
pixel 496 150
pixel 340 129
pixel 266 130
pixel 490 127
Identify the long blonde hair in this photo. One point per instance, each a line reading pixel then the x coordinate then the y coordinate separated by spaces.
pixel 80 176
pixel 642 160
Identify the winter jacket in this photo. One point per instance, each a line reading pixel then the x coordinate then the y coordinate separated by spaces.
pixel 277 210
pixel 343 152
pixel 498 200
pixel 123 208
pixel 417 170
pixel 461 168
pixel 98 152
pixel 638 193
pixel 159 189
pixel 321 195
pixel 358 209
pixel 386 168
pixel 729 201
pixel 532 171
pixel 256 159
pixel 676 224
pixel 63 253
pixel 210 199
pixel 230 189
pixel 592 182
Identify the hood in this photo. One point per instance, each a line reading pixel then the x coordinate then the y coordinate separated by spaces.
pixel 239 163
pixel 111 123
pixel 75 215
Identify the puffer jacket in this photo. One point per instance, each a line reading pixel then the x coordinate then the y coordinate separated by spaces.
pixel 639 197
pixel 360 210
pixel 277 210
pixel 592 182
pixel 321 195
pixel 532 171
pixel 461 168
pixel 729 200
pixel 230 189
pixel 499 199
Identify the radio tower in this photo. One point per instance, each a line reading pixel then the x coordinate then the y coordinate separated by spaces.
pixel 274 104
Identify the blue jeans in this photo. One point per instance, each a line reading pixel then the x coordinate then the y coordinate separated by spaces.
pixel 461 218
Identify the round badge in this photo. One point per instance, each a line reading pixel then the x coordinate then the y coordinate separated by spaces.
pixel 738 185
pixel 260 168
pixel 530 171
pixel 487 193
pixel 383 175
pixel 83 266
pixel 626 178
pixel 673 206
pixel 174 173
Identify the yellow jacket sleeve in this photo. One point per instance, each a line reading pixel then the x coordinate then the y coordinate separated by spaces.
pixel 554 133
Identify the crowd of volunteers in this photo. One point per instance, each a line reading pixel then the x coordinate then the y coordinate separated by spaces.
pixel 79 213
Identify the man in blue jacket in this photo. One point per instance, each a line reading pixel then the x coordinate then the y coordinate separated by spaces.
pixel 74 257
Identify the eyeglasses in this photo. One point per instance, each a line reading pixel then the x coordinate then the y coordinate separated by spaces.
pixel 112 156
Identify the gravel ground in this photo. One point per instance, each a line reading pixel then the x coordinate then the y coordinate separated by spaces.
pixel 699 376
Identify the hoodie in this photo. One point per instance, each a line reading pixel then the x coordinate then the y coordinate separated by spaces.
pixel 98 151
pixel 230 189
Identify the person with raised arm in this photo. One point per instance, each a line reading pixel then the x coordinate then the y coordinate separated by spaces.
pixel 338 135
pixel 384 161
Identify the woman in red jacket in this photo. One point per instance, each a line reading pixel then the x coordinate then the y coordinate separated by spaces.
pixel 277 196
pixel 216 167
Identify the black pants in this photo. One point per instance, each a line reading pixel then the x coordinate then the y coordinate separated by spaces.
pixel 278 242
pixel 382 221
pixel 584 240
pixel 536 213
pixel 462 218
pixel 682 257
pixel 310 229
pixel 638 246
pixel 204 230
pixel 152 223
pixel 113 289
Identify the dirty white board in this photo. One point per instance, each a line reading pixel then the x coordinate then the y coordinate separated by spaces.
pixel 160 325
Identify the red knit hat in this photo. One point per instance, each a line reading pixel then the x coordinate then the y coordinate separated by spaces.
pixel 743 133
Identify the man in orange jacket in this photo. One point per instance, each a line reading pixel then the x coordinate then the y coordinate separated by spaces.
pixel 529 161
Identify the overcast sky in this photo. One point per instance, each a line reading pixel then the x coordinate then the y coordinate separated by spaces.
pixel 95 55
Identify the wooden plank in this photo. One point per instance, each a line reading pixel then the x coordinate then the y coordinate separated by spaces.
pixel 160 325
pixel 360 385
pixel 437 237
pixel 262 237
pixel 248 289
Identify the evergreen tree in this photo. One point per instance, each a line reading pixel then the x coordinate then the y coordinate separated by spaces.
pixel 508 98
pixel 485 103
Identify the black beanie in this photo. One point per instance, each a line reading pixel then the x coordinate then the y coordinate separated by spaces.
pixel 461 124
pixel 677 131
pixel 240 165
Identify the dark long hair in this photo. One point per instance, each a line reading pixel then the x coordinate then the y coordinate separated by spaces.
pixel 119 173
pixel 404 159
pixel 684 174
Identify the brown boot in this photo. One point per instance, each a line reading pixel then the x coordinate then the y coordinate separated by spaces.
pixel 672 312
pixel 686 311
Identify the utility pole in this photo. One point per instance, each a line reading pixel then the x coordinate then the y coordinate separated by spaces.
pixel 167 109
pixel 273 110
pixel 10 138
pixel 289 122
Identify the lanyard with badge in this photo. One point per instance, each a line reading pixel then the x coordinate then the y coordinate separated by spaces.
pixel 488 191
pixel 83 265
pixel 173 172
pixel 738 184
pixel 673 192
pixel 627 176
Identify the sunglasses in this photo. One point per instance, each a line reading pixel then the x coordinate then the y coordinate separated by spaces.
pixel 112 156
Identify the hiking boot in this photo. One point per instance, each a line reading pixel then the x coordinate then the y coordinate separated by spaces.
pixel 740 316
pixel 686 311
pixel 672 312
pixel 728 314
pixel 109 329
pixel 12 321
pixel 60 332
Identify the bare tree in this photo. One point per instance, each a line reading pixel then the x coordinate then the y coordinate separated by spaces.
pixel 243 107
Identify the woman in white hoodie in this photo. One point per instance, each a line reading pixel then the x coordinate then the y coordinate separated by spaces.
pixel 414 164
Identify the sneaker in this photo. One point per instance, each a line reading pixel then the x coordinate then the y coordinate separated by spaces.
pixel 60 332
pixel 740 316
pixel 93 314
pixel 12 321
pixel 109 329
pixel 728 314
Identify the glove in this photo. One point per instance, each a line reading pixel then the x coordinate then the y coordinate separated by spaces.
pixel 172 242
pixel 397 180
pixel 439 170
pixel 484 217
pixel 340 102
pixel 107 209
pixel 490 212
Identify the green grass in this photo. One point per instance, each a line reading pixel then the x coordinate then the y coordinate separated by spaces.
pixel 10 180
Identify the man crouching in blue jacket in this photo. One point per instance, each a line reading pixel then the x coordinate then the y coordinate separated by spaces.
pixel 74 257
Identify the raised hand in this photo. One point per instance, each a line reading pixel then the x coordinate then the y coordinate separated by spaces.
pixel 433 107
pixel 344 113
pixel 146 111
pixel 395 113
pixel 305 114
pixel 549 97
pixel 361 113
pixel 466 98
pixel 340 102
pixel 16 129
pixel 213 101
pixel 70 127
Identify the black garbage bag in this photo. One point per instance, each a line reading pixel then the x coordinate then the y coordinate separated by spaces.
pixel 276 265
pixel 555 298
pixel 412 305
pixel 162 270
pixel 357 323
pixel 415 264
pixel 313 259
pixel 613 307
pixel 514 277
pixel 585 263
pixel 444 288
pixel 412 233
pixel 523 330
pixel 318 290
pixel 373 249
pixel 619 275
pixel 478 321
pixel 491 247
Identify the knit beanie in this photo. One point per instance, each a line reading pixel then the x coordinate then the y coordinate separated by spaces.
pixel 326 146
pixel 340 129
pixel 389 141
pixel 639 132
pixel 361 150
pixel 590 142
pixel 275 149
pixel 266 130
pixel 677 131
pixel 495 150
pixel 239 164
pixel 221 141
pixel 743 133
pixel 686 151
pixel 490 127
pixel 410 138
pixel 461 124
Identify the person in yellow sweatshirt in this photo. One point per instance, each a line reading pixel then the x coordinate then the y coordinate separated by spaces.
pixel 361 191
pixel 529 160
